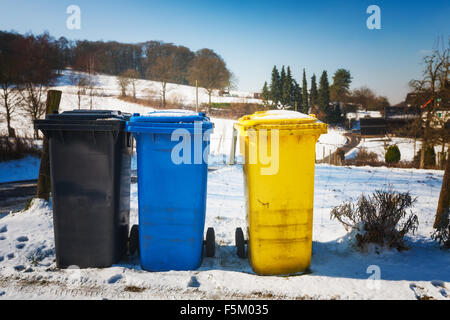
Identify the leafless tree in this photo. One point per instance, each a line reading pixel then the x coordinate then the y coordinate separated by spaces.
pixel 132 75
pixel 33 96
pixel 210 71
pixel 79 80
pixel 123 83
pixel 163 70
pixel 11 98
pixel 432 88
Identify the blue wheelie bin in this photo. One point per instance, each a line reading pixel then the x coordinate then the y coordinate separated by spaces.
pixel 172 149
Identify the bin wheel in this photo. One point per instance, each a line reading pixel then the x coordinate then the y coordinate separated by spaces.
pixel 240 243
pixel 210 243
pixel 134 240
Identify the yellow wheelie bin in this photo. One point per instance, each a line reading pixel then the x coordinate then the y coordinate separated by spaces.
pixel 279 151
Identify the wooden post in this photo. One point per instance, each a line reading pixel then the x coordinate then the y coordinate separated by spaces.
pixel 323 158
pixel 329 157
pixel 231 161
pixel 196 95
pixel 43 185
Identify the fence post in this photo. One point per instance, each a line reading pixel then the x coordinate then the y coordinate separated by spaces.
pixel 329 157
pixel 231 161
pixel 323 158
pixel 43 184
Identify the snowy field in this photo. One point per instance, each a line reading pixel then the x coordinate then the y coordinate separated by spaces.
pixel 339 271
pixel 378 145
pixel 108 91
pixel 27 258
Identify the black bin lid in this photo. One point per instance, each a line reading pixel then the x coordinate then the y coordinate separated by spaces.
pixel 89 115
pixel 84 120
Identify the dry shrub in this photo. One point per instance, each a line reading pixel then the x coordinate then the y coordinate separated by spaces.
pixel 364 155
pixel 380 218
pixel 17 148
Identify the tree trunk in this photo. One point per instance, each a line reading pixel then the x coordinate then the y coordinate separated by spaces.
pixel 43 185
pixel 163 94
pixel 425 140
pixel 441 220
pixel 11 131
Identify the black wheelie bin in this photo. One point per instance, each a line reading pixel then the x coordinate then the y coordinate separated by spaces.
pixel 90 167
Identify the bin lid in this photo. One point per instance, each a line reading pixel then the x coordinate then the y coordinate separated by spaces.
pixel 84 120
pixel 89 115
pixel 163 121
pixel 282 120
pixel 171 116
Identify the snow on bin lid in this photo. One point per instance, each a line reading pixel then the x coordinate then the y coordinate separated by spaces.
pixel 89 115
pixel 283 120
pixel 170 116
pixel 276 117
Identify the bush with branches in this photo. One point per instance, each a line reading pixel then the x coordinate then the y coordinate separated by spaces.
pixel 380 218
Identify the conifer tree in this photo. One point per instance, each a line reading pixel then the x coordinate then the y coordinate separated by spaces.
pixel 282 77
pixel 275 86
pixel 287 90
pixel 296 96
pixel 313 95
pixel 323 99
pixel 265 94
pixel 305 106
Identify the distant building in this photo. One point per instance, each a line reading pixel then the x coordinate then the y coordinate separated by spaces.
pixel 257 95
pixel 398 117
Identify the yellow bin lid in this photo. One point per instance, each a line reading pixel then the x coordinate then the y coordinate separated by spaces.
pixel 296 122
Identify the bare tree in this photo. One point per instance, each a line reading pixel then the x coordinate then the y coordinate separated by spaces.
pixel 210 71
pixel 91 79
pixel 11 98
pixel 163 70
pixel 123 83
pixel 80 81
pixel 431 88
pixel 132 75
pixel 32 96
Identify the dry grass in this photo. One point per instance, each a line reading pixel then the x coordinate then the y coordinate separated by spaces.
pixel 17 148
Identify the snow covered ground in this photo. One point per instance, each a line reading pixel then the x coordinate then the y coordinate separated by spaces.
pixel 27 267
pixel 377 145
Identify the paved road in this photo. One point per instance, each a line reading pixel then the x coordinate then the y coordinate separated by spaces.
pixel 353 139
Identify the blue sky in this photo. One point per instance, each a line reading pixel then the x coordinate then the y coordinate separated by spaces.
pixel 252 36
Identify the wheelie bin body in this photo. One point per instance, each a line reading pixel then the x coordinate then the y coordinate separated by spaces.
pixel 279 195
pixel 172 149
pixel 90 167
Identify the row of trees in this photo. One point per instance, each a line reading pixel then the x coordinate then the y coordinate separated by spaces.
pixel 30 64
pixel 207 70
pixel 329 102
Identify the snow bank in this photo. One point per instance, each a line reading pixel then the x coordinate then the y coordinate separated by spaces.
pixel 19 170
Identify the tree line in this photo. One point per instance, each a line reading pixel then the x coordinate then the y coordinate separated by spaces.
pixel 29 64
pixel 328 102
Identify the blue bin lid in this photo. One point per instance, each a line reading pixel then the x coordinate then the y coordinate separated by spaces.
pixel 167 120
pixel 170 116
